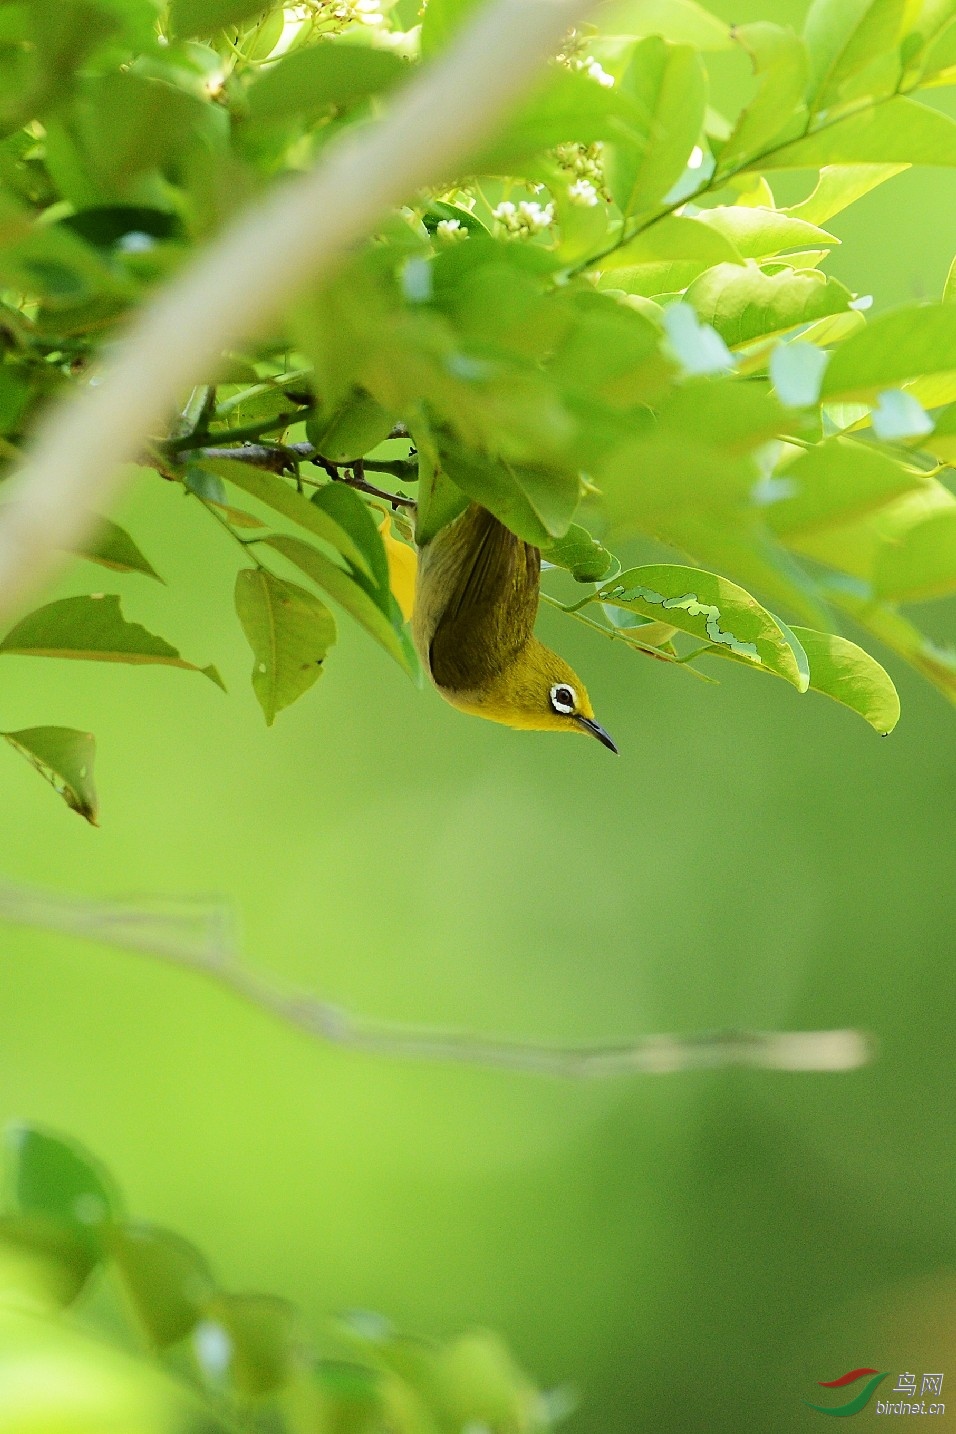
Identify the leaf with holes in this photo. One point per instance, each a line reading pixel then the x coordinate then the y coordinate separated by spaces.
pixel 289 631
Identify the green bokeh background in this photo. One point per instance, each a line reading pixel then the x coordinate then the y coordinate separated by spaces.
pixel 691 1251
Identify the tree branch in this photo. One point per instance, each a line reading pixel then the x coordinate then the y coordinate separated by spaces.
pixel 283 457
pixel 201 937
pixel 235 289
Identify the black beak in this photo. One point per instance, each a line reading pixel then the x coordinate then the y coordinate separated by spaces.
pixel 596 730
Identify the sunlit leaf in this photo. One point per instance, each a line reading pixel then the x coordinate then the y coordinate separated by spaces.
pixel 746 303
pixel 64 758
pixel 834 483
pixel 758 233
pixel 780 62
pixel 898 132
pixel 839 186
pixel 843 671
pixel 289 631
pixel 93 628
pixel 905 343
pixel 683 22
pixel 668 87
pixel 844 37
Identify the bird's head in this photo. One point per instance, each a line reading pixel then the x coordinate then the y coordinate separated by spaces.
pixel 536 691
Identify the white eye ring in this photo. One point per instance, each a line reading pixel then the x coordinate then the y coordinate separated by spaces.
pixel 564 699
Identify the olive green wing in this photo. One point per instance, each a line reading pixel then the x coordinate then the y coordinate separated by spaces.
pixel 491 583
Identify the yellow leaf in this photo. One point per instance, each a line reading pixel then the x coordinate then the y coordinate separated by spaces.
pixel 402 568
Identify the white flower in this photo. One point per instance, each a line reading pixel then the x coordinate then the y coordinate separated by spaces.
pixel 583 193
pixel 504 212
pixel 597 72
pixel 450 229
pixel 533 216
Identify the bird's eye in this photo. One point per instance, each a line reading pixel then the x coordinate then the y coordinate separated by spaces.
pixel 564 699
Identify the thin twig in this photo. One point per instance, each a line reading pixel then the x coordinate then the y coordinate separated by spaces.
pixel 283 457
pixel 201 937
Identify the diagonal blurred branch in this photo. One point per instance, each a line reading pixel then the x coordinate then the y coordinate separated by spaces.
pixel 201 937
pixel 238 286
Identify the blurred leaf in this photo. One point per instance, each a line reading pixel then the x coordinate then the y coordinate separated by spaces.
pixel 939 61
pixel 106 225
pixel 536 504
pixel 937 664
pixel 276 493
pixel 165 1278
pixel 204 17
pixel 758 233
pixel 265 1345
pixel 289 631
pixel 352 430
pixel 112 547
pixel 834 483
pixel 839 186
pixel 708 607
pixel 311 80
pixel 942 441
pixel 796 372
pixel 921 564
pixel 683 22
pixel 56 1179
pixel 64 758
pixel 668 87
pixel 843 671
pixel 93 628
pixel 905 343
pixel 844 37
pixel 42 1261
pixel 745 304
pixel 898 131
pixel 345 591
pixel 780 61
pixel 583 556
pixel 569 107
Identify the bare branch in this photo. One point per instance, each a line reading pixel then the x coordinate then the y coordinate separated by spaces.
pixel 200 937
pixel 235 289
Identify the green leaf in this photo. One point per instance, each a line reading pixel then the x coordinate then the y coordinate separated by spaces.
pixel 310 81
pixel 671 238
pixel 839 186
pixel 905 343
pixel 939 62
pixel 845 37
pixel 289 631
pixel 710 608
pixel 949 288
pixel 681 21
pixel 64 758
pixel 112 547
pixel 205 17
pixel 263 1339
pixel 56 1179
pixel 942 441
pixel 165 1278
pixel 93 628
pixel 352 430
pixel 845 672
pixel 921 564
pixel 583 556
pixel 836 482
pixel 745 303
pixel 780 62
pixel 936 664
pixel 42 1261
pixel 353 515
pixel 758 233
pixel 537 504
pixel 440 21
pixel 275 493
pixel 898 131
pixel 346 592
pixel 668 86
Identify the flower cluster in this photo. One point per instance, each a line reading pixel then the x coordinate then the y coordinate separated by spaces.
pixel 586 163
pixel 523 219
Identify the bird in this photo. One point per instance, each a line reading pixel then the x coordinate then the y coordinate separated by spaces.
pixel 476 600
